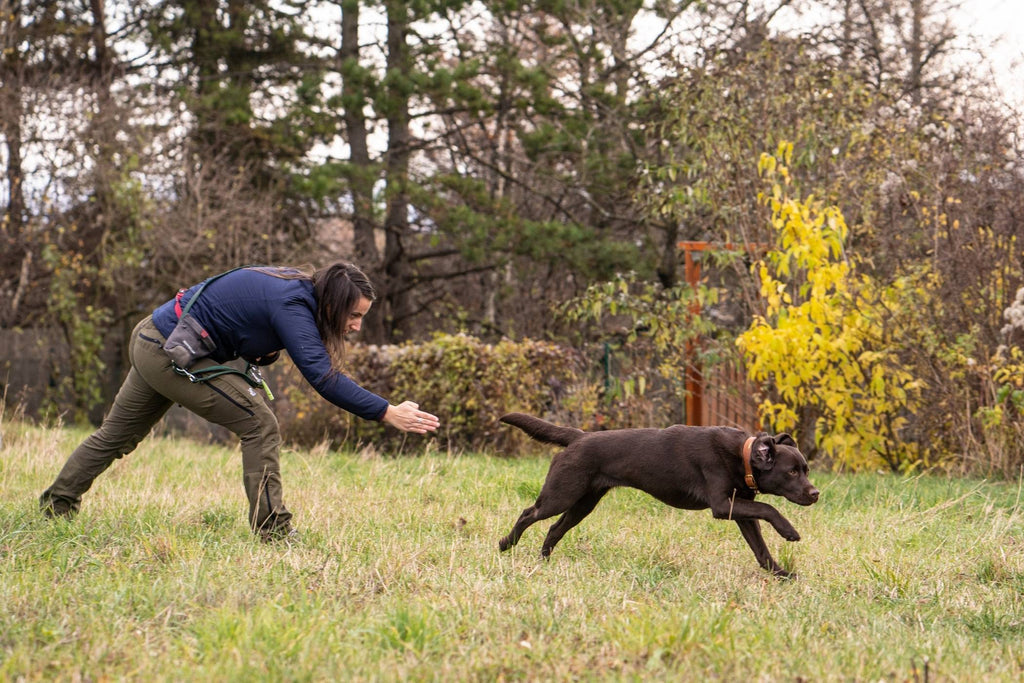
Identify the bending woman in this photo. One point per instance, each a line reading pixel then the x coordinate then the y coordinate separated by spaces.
pixel 250 313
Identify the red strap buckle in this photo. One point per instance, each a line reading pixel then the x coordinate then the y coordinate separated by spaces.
pixel 177 301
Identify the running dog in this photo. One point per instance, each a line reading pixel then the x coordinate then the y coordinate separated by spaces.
pixel 692 468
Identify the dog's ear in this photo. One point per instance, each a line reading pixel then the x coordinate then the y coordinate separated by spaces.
pixel 762 452
pixel 784 440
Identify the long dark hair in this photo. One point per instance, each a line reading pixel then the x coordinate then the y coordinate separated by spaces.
pixel 337 288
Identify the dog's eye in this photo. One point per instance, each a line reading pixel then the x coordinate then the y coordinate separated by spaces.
pixel 794 472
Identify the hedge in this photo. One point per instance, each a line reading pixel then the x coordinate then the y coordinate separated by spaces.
pixel 466 382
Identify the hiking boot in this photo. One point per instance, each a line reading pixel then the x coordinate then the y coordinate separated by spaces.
pixel 285 533
pixel 58 507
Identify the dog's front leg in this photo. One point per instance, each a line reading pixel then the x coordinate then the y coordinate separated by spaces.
pixel 751 530
pixel 741 509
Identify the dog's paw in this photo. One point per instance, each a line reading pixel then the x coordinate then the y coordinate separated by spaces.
pixel 504 544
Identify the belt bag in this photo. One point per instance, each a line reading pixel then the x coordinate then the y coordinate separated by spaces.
pixel 188 342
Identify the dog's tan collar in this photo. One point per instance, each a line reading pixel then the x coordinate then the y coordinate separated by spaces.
pixel 749 473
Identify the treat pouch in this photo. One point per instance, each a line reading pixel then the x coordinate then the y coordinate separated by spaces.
pixel 188 342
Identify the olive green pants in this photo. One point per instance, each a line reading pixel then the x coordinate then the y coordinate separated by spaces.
pixel 151 388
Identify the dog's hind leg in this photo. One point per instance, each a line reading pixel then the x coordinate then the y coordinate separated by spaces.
pixel 546 506
pixel 751 530
pixel 573 516
pixel 562 488
pixel 529 516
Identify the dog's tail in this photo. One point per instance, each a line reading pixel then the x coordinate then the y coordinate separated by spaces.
pixel 542 430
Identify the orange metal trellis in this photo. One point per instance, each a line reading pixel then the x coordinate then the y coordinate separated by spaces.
pixel 721 409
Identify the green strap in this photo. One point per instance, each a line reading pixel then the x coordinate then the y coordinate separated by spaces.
pixel 202 286
pixel 214 371
pixel 251 375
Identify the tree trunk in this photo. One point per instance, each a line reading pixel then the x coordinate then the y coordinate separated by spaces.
pixel 11 117
pixel 205 55
pixel 916 51
pixel 396 269
pixel 361 182
pixel 668 269
pixel 363 174
pixel 100 131
pixel 12 223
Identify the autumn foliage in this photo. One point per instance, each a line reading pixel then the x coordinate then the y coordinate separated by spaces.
pixel 823 343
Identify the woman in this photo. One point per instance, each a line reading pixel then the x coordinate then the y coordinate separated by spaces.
pixel 250 313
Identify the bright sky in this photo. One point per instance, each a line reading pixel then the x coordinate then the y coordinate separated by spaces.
pixel 999 28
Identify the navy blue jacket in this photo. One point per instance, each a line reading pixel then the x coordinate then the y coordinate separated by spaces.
pixel 251 314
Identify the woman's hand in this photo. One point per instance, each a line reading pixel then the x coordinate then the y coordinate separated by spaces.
pixel 409 418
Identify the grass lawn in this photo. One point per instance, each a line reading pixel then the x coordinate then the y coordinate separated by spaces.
pixel 397 576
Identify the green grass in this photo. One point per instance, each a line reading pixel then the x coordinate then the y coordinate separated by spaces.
pixel 397 577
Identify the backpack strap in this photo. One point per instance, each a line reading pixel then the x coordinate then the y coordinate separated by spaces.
pixel 202 285
pixel 251 374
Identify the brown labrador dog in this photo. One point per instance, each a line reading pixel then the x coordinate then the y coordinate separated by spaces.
pixel 692 468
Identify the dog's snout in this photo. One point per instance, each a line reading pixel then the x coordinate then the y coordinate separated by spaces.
pixel 812 493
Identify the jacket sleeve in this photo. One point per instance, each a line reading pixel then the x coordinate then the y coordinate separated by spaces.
pixel 296 327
